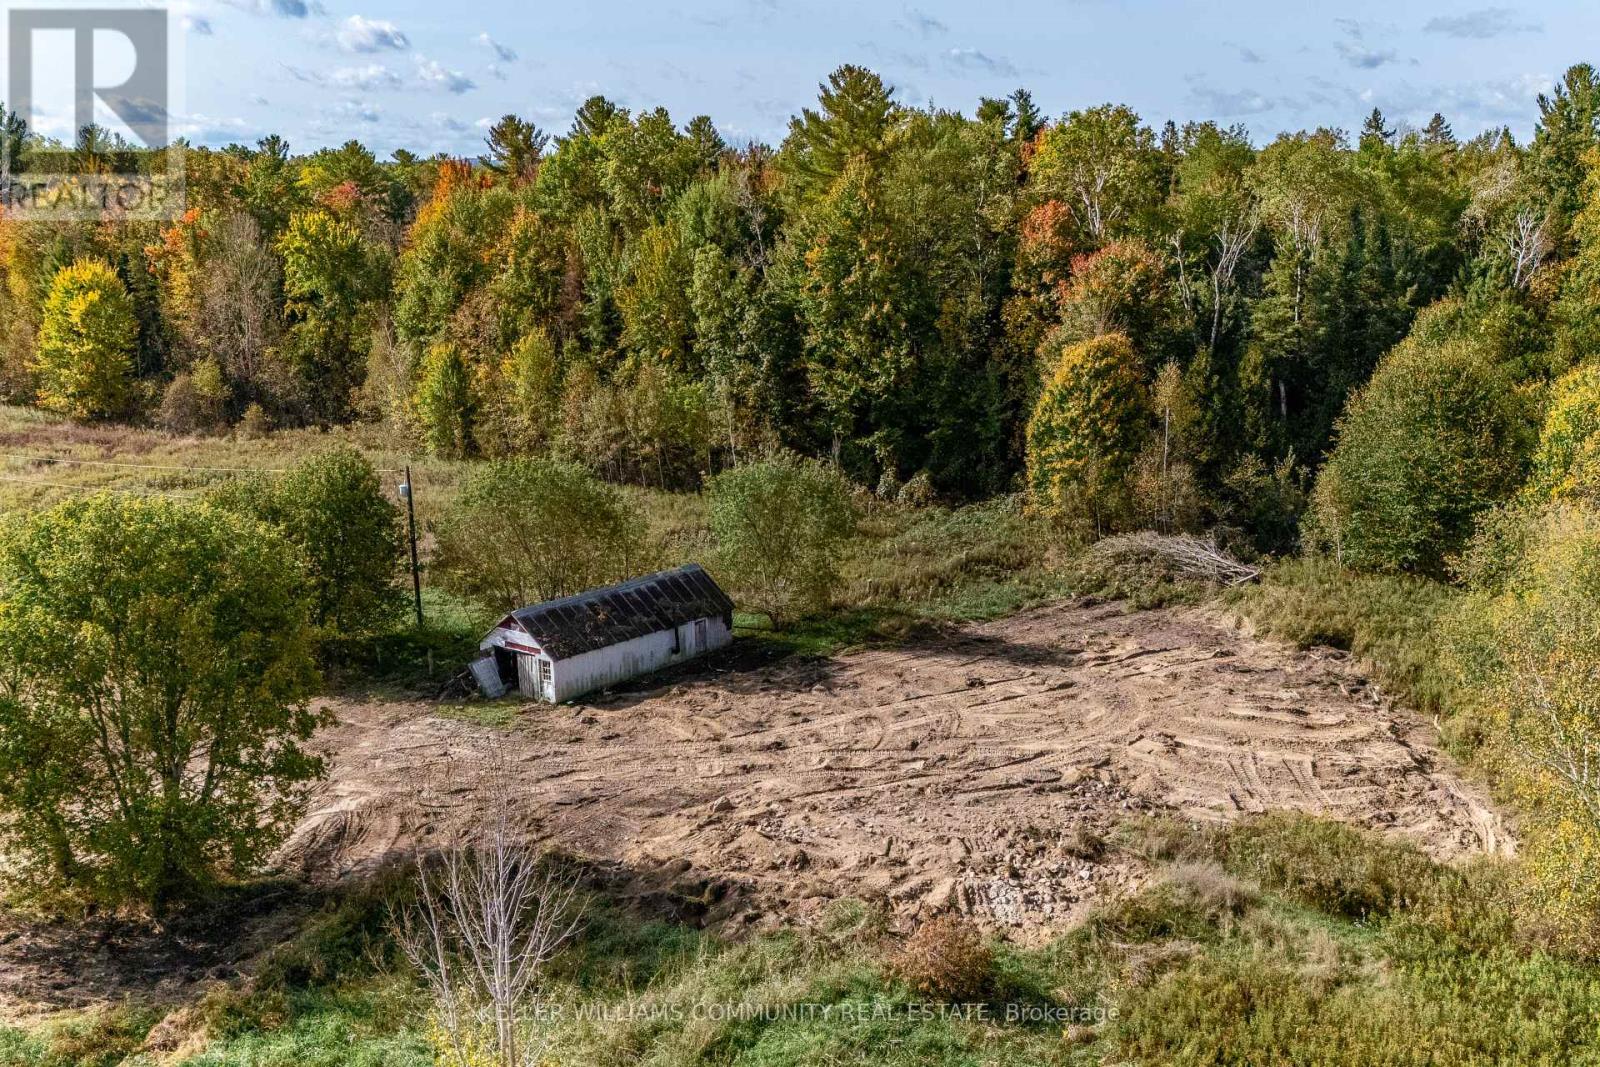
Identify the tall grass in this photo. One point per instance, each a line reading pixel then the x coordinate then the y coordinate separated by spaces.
pixel 1280 940
pixel 1387 620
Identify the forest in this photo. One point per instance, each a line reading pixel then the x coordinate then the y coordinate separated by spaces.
pixel 891 288
pixel 1355 373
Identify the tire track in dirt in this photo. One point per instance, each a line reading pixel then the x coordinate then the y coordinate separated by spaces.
pixel 963 771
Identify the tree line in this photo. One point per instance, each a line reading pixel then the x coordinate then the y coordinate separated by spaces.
pixel 891 288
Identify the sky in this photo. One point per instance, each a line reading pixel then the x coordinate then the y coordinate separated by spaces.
pixel 432 76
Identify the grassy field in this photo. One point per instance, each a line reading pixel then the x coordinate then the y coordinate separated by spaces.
pixel 1283 940
pixel 905 566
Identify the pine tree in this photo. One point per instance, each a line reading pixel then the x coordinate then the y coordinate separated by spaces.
pixel 515 147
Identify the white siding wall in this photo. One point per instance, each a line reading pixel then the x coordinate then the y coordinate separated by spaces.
pixel 617 663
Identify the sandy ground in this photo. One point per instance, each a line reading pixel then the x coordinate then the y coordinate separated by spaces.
pixel 971 770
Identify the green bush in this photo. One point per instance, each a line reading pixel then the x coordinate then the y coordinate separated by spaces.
pixel 527 530
pixel 333 509
pixel 1438 435
pixel 781 524
pixel 1567 462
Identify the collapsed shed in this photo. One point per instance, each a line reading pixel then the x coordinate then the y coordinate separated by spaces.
pixel 562 649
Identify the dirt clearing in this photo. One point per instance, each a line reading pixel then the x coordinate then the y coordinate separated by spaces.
pixel 973 770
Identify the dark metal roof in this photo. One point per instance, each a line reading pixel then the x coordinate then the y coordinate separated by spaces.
pixel 600 617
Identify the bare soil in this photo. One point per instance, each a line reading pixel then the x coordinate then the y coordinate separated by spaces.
pixel 975 769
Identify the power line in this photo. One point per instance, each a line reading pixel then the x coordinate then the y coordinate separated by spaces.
pixel 84 488
pixel 143 466
pixel 167 467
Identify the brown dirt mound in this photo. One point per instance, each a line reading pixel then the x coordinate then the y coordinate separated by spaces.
pixel 965 771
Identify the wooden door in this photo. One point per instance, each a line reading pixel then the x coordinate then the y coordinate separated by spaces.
pixel 528 676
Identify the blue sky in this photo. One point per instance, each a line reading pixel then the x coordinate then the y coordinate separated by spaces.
pixel 429 76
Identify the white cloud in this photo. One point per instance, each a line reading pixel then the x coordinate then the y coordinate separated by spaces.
pixel 502 52
pixel 289 9
pixel 1481 25
pixel 1224 103
pixel 367 78
pixel 360 34
pixel 1485 103
pixel 970 59
pixel 428 76
pixel 434 75
pixel 920 22
pixel 1356 52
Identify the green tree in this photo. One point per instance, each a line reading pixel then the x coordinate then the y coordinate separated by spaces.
pixel 1091 420
pixel 87 335
pixel 647 164
pixel 519 405
pixel 527 530
pixel 781 525
pixel 1215 217
pixel 1567 462
pixel 330 278
pixel 1576 314
pixel 153 695
pixel 1567 130
pixel 1101 165
pixel 333 510
pixel 451 252
pixel 515 147
pixel 444 403
pixel 855 113
pixel 1438 435
pixel 657 318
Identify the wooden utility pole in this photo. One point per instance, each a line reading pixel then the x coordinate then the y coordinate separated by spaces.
pixel 408 491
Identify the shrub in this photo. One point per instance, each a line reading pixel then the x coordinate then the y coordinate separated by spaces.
pixel 1086 431
pixel 1327 865
pixel 1527 658
pixel 1438 435
pixel 1192 900
pixel 946 959
pixel 180 406
pixel 84 363
pixel 332 508
pixel 1164 493
pixel 156 668
pixel 917 492
pixel 255 422
pixel 194 400
pixel 781 524
pixel 1267 501
pixel 1567 461
pixel 526 530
